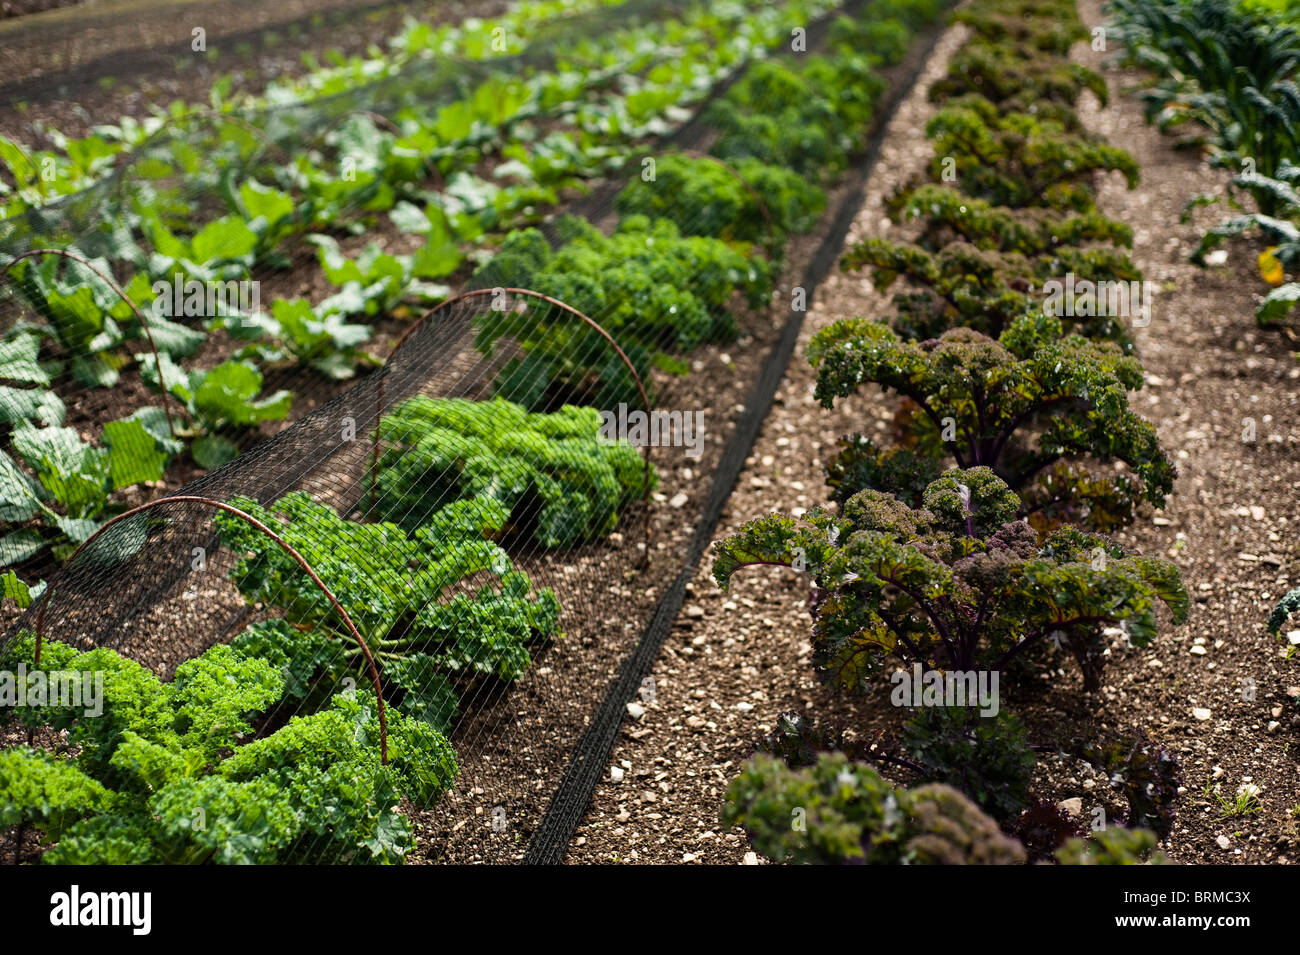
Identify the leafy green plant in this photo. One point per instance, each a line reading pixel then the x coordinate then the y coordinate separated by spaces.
pixel 295 332
pixel 951 215
pixel 440 603
pixel 1144 772
pixel 74 481
pixel 20 363
pixel 840 812
pixel 375 282
pixel 558 480
pixel 1283 609
pixel 957 584
pixel 1221 68
pixel 1020 159
pixel 177 773
pixel 704 198
pixel 1032 406
pixel 1114 845
pixel 225 397
pixel 987 758
pixel 986 290
pixel 649 287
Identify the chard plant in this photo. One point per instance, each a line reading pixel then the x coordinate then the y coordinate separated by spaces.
pixel 957 584
pixel 1041 411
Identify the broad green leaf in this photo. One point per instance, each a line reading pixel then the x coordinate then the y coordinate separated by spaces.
pixel 212 451
pixel 18 362
pixel 223 239
pixel 30 404
pixel 1279 301
pixel 133 454
pixel 18 546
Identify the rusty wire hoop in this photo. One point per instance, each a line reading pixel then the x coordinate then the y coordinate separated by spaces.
pixel 419 322
pixel 162 384
pixel 283 544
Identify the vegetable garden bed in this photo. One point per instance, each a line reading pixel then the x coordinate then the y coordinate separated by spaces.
pixel 365 429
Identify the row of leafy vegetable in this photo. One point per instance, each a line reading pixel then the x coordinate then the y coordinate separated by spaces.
pixel 86 325
pixel 1225 80
pixel 427 578
pixel 974 541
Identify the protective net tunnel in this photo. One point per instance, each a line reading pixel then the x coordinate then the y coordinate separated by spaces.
pixel 436 571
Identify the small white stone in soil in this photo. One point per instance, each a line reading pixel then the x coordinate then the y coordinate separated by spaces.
pixel 751 858
pixel 616 774
pixel 1201 712
pixel 678 500
pixel 635 710
pixel 1223 841
pixel 1073 806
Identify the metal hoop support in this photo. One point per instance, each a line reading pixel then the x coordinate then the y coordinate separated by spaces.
pixel 283 544
pixel 4 274
pixel 555 302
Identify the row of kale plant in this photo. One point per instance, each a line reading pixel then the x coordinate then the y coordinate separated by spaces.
pixel 976 539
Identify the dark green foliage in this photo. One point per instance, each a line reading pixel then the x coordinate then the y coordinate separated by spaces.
pixel 1016 78
pixel 950 214
pixel 1022 406
pixel 957 584
pixel 653 290
pixel 1283 609
pixel 984 290
pixel 174 772
pixel 554 475
pixel 1021 159
pixel 705 198
pixel 403 592
pixel 839 812
pixel 1223 69
pixel 798 742
pixel 986 757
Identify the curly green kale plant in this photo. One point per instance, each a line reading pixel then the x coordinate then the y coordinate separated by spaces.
pixel 839 812
pixel 1034 407
pixel 969 287
pixel 1021 159
pixel 958 584
pixel 704 198
pixel 654 290
pixel 180 773
pixel 410 595
pixel 560 482
pixel 950 215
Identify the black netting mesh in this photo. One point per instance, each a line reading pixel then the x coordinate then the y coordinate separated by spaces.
pixel 500 559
